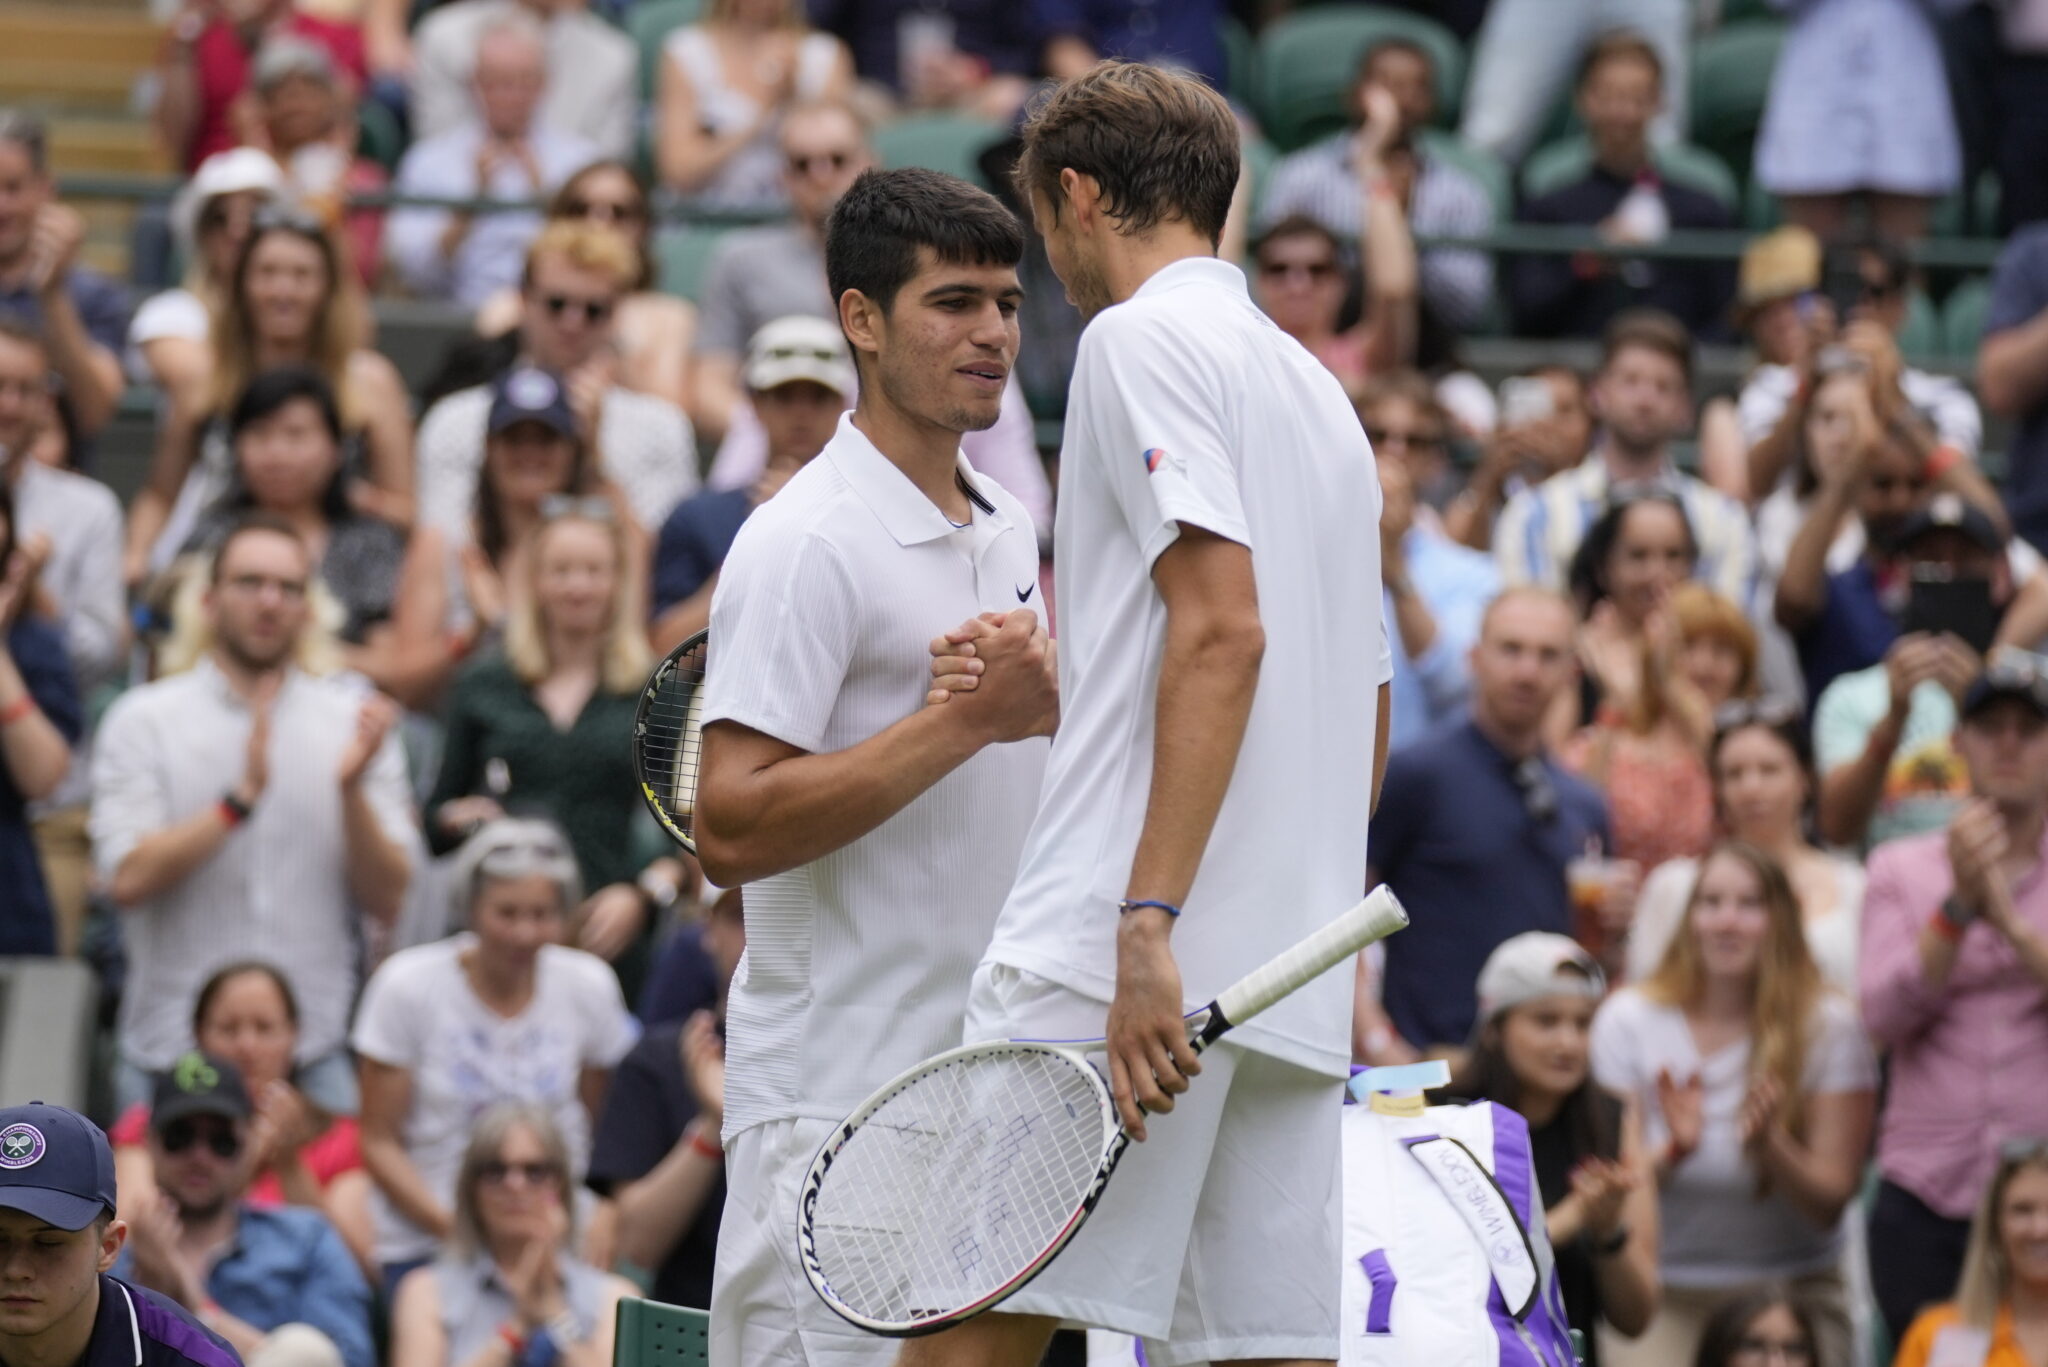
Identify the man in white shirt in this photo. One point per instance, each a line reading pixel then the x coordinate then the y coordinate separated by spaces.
pixel 876 835
pixel 246 809
pixel 576 274
pixel 505 150
pixel 1222 647
pixel 593 70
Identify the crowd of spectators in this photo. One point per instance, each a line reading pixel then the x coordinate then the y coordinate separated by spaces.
pixel 1718 786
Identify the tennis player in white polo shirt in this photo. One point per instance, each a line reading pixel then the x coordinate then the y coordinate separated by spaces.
pixel 876 836
pixel 1223 670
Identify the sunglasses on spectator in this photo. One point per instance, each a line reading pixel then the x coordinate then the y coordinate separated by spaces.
pixel 1314 270
pixel 1539 794
pixel 610 211
pixel 1387 438
pixel 592 310
pixel 530 1174
pixel 804 164
pixel 181 1135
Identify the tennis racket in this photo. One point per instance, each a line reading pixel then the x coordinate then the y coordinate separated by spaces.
pixel 668 739
pixel 958 1181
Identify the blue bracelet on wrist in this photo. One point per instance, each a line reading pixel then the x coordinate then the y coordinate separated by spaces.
pixel 1127 905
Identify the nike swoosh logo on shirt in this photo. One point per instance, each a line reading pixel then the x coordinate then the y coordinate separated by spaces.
pixel 1024 594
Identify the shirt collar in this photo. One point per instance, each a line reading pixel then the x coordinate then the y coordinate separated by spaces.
pixel 901 506
pixel 1193 270
pixel 209 675
pixel 116 1334
pixel 1593 471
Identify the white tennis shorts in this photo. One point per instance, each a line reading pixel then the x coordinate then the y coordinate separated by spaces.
pixel 763 1311
pixel 1219 1237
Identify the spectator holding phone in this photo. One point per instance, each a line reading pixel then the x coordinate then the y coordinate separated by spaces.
pixel 1954 984
pixel 1999 1316
pixel 1881 733
pixel 1546 428
pixel 1758 1088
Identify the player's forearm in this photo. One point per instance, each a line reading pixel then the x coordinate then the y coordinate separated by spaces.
pixel 1207 678
pixel 753 825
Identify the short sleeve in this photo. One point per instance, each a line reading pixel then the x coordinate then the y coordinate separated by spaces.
pixel 1616 1046
pixel 391 1020
pixel 1839 1057
pixel 609 1029
pixel 785 616
pixel 1840 728
pixel 1155 410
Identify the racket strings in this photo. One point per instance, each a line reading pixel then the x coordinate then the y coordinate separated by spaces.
pixel 669 740
pixel 956 1184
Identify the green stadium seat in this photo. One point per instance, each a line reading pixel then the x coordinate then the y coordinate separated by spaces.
pixel 651 1334
pixel 378 135
pixel 1921 333
pixel 1261 156
pixel 1962 318
pixel 1240 60
pixel 1481 166
pixel 1731 79
pixel 1561 163
pixel 943 142
pixel 1306 62
pixel 682 255
pixel 1761 211
pixel 1741 11
pixel 650 22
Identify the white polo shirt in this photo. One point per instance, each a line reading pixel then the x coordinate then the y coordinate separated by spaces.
pixel 857 964
pixel 1190 406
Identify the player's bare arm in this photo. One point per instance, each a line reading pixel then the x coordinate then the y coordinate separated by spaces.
pixel 1379 742
pixel 764 806
pixel 1207 676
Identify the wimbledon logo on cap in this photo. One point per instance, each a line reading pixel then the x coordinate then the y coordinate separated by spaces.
pixel 21 1146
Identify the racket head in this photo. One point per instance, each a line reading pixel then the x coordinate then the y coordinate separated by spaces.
pixel 954 1184
pixel 668 739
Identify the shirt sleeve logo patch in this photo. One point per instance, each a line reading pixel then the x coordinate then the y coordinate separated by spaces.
pixel 1155 458
pixel 21 1146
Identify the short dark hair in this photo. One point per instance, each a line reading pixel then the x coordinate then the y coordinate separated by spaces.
pixel 1162 146
pixel 1721 1336
pixel 29 133
pixel 264 396
pixel 1619 45
pixel 876 228
pixel 1298 225
pixel 1587 577
pixel 243 968
pixel 249 524
pixel 1649 330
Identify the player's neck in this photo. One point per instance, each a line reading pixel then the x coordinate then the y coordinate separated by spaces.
pixel 928 455
pixel 1139 258
pixel 61 1345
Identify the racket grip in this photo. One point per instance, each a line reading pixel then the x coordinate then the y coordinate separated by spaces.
pixel 1375 918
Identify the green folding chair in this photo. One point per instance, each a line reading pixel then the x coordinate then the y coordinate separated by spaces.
pixel 952 143
pixel 1962 317
pixel 1731 81
pixel 649 24
pixel 1305 63
pixel 651 1334
pixel 682 256
pixel 1563 162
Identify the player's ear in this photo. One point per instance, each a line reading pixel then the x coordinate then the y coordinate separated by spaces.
pixel 1083 194
pixel 113 1235
pixel 863 321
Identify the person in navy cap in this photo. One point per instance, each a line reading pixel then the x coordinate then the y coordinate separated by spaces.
pixel 58 1237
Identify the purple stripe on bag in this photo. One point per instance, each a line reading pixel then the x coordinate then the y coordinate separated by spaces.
pixel 1378 1271
pixel 1513 1167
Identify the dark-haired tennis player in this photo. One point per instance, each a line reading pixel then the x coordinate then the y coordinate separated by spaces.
pixel 1223 666
pixel 877 837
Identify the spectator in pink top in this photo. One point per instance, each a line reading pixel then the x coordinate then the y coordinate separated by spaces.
pixel 206 104
pixel 1954 977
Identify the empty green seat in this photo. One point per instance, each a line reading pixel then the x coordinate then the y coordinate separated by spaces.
pixel 1921 333
pixel 651 1334
pixel 943 142
pixel 682 254
pixel 1962 318
pixel 1307 61
pixel 649 23
pixel 1562 163
pixel 378 135
pixel 1731 80
pixel 1481 166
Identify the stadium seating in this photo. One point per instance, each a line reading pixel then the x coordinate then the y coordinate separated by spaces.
pixel 1559 164
pixel 1731 79
pixel 682 254
pixel 1306 62
pixel 944 142
pixel 651 1334
pixel 1487 170
pixel 1962 317
pixel 1921 333
pixel 649 23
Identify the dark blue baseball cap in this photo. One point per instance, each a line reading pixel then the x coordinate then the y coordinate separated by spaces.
pixel 55 1165
pixel 530 395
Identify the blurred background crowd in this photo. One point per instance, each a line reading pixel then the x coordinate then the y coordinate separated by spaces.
pixel 382 383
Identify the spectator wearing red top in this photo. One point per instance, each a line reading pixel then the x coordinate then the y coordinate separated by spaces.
pixel 1954 977
pixel 247 1014
pixel 207 62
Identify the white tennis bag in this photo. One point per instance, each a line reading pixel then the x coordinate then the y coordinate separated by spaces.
pixel 1446 1262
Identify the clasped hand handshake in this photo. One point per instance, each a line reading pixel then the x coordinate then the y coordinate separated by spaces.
pixel 1002 670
